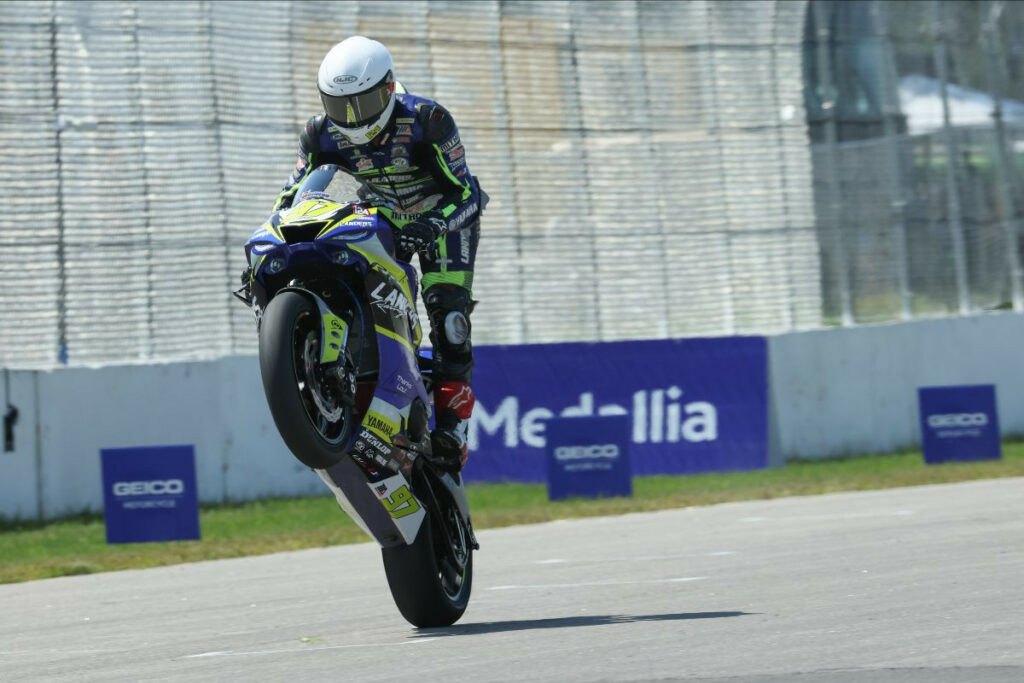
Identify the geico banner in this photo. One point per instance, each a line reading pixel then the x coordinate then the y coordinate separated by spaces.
pixel 149 494
pixel 959 423
pixel 694 405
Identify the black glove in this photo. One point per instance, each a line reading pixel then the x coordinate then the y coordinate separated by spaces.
pixel 420 233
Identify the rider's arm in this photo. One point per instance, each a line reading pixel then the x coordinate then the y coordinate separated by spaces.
pixel 309 147
pixel 461 205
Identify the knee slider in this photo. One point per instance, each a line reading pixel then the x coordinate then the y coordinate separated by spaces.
pixel 456 328
pixel 449 307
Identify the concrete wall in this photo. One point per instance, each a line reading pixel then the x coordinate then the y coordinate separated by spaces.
pixel 833 392
pixel 217 406
pixel 854 390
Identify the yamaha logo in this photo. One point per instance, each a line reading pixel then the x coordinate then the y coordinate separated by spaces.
pixel 609 451
pixel 957 420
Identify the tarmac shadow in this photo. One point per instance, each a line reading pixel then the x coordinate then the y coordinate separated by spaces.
pixel 565 622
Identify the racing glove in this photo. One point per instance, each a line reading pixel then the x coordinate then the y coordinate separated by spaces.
pixel 420 233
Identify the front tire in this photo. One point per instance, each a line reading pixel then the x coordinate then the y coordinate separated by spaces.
pixel 431 579
pixel 308 409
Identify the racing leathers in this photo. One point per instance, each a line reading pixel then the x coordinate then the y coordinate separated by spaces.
pixel 417 164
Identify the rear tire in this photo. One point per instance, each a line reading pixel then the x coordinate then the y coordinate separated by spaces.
pixel 429 583
pixel 301 401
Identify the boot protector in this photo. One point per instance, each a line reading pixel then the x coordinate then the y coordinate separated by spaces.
pixel 453 403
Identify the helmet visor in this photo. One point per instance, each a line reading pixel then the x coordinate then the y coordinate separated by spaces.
pixel 353 111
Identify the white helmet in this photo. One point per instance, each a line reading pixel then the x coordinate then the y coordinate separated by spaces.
pixel 357 88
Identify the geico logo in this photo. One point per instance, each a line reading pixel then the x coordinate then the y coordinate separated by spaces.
pixel 957 420
pixel 608 450
pixel 157 487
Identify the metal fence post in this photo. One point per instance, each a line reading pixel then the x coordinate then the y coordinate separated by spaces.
pixel 823 36
pixel 940 54
pixel 148 344
pixel 221 181
pixel 574 64
pixel 893 147
pixel 780 140
pixel 58 124
pixel 503 68
pixel 992 45
pixel 636 29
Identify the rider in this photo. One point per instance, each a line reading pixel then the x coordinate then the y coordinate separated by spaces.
pixel 406 150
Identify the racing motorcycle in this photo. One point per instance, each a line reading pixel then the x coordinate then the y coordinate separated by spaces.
pixel 349 390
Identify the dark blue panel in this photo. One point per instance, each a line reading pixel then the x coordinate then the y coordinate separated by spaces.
pixel 959 423
pixel 589 456
pixel 149 494
pixel 694 405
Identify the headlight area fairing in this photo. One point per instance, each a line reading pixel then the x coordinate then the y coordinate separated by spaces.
pixel 274 265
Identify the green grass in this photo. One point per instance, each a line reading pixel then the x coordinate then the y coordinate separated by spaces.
pixel 33 550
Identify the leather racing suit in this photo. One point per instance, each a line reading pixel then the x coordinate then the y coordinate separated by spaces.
pixel 418 164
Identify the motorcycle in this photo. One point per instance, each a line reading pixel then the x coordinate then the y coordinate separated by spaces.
pixel 349 390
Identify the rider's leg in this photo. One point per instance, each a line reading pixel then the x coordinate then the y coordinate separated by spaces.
pixel 447 294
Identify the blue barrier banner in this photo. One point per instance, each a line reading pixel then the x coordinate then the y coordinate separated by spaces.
pixel 589 456
pixel 693 405
pixel 959 423
pixel 149 494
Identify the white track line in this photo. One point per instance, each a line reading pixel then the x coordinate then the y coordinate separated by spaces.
pixel 230 653
pixel 515 586
pixel 847 515
pixel 637 558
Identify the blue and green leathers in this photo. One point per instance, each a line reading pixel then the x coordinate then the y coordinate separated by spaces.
pixel 418 165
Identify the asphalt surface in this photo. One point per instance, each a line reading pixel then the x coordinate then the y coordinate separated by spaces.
pixel 906 585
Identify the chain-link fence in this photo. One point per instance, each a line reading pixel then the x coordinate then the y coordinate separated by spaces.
pixel 917 123
pixel 647 164
pixel 651 169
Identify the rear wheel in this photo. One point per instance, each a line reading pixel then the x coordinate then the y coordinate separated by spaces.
pixel 311 408
pixel 431 579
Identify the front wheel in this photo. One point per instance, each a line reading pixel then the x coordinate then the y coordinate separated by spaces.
pixel 311 412
pixel 431 579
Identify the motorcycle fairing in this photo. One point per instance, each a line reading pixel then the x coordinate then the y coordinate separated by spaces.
pixel 406 511
pixel 348 239
pixel 361 503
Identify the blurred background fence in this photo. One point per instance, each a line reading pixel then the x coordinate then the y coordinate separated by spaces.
pixel 916 122
pixel 657 169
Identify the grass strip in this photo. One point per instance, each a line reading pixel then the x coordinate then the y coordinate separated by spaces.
pixel 77 545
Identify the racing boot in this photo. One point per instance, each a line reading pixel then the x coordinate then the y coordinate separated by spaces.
pixel 453 404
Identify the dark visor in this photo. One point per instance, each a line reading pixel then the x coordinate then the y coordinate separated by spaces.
pixel 353 111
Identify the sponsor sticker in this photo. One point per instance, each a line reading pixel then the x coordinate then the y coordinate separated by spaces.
pixel 451 144
pixel 380 425
pixel 401 504
pixel 390 299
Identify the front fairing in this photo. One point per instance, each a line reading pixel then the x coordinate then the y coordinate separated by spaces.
pixel 310 231
pixel 319 236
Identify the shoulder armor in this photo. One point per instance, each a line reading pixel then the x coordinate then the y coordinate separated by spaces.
pixel 310 137
pixel 438 125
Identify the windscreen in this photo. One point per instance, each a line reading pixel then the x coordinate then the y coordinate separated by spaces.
pixel 327 178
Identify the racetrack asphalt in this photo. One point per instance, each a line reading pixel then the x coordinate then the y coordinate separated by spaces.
pixel 910 585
